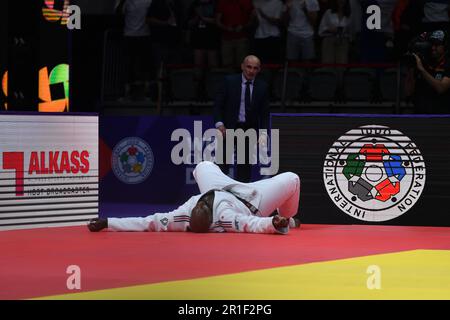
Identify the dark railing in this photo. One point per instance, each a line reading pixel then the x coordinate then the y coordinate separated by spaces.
pixel 292 84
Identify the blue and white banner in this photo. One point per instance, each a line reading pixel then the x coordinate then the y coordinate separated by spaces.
pixel 137 165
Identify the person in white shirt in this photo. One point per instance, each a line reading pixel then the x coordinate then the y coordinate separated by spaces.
pixel 334 30
pixel 267 38
pixel 224 205
pixel 302 17
pixel 136 33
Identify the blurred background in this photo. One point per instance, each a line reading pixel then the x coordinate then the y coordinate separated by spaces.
pixel 167 57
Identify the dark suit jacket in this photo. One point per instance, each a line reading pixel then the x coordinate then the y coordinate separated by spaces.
pixel 228 100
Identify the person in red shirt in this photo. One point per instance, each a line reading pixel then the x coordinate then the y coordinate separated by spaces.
pixel 234 18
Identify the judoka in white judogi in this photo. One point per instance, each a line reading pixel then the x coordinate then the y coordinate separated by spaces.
pixel 280 193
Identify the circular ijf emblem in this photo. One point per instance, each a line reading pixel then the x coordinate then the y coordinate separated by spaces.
pixel 374 173
pixel 132 160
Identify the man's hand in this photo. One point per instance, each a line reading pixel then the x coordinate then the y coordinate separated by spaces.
pixel 280 222
pixel 419 63
pixel 262 140
pixel 222 129
pixel 97 224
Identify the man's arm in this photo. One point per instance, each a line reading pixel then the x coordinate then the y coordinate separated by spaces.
pixel 440 86
pixel 236 222
pixel 177 220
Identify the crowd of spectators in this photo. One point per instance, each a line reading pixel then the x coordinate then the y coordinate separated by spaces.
pixel 220 33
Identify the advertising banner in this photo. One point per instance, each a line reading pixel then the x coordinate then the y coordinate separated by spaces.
pixel 48 170
pixel 139 162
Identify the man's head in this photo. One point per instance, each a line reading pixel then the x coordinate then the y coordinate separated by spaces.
pixel 201 217
pixel 251 67
pixel 438 42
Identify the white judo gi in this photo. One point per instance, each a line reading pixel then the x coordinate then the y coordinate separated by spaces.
pixel 280 192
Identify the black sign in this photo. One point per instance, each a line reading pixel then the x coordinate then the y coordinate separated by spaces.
pixel 369 169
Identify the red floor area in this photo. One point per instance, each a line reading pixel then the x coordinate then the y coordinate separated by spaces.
pixel 34 262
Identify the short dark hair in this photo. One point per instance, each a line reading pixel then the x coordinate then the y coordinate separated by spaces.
pixel 201 218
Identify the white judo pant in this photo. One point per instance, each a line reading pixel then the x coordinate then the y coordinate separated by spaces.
pixel 280 192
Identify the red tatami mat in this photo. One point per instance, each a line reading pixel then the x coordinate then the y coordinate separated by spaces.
pixel 34 262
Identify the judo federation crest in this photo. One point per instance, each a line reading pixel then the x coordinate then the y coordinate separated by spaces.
pixel 132 160
pixel 374 173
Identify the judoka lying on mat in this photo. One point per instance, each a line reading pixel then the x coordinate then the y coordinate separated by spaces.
pixel 224 205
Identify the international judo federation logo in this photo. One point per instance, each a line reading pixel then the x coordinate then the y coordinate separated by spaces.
pixel 374 173
pixel 132 160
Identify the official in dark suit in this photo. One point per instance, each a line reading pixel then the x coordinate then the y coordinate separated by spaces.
pixel 243 103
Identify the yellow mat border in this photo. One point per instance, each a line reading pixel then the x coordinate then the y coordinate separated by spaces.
pixel 409 275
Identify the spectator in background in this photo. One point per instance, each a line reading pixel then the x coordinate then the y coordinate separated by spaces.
pixel 335 31
pixel 301 17
pixel 406 19
pixel 267 42
pixel 355 29
pixel 138 46
pixel 387 8
pixel 164 20
pixel 204 36
pixel 234 18
pixel 355 16
pixel 412 17
pixel 428 83
pixel 435 15
pixel 324 5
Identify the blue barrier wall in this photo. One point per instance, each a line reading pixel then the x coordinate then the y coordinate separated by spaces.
pixel 136 165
